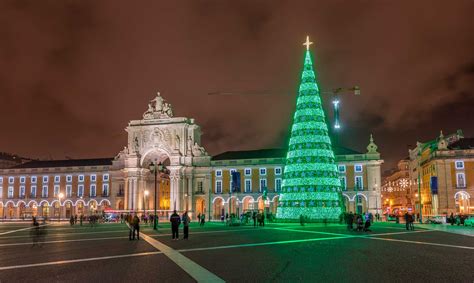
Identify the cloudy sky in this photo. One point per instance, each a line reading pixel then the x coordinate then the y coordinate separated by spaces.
pixel 73 73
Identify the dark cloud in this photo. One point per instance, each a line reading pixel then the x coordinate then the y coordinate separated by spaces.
pixel 75 72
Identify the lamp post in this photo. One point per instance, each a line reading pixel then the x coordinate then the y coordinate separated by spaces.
pixel 60 196
pixel 156 169
pixel 144 201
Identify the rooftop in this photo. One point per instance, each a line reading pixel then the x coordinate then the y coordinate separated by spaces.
pixel 270 153
pixel 463 143
pixel 65 163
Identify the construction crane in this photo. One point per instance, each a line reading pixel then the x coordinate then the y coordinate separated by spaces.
pixel 335 93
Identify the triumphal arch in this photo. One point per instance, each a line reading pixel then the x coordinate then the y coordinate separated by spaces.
pixel 160 137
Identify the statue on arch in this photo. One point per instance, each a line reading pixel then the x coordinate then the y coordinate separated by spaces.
pixel 198 150
pixel 158 101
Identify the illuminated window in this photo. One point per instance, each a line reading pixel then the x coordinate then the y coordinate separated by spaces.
pixel 359 186
pixel 342 168
pixel 44 192
pixel 45 179
pixel 105 177
pixel 80 190
pixel 459 164
pixel 460 180
pixel 343 183
pixel 277 170
pixel 1 180
pixel 263 171
pixel 68 191
pixel 248 185
pixel 218 173
pixel 105 190
pixel 93 178
pixel 10 192
pixel 263 184
pixel 34 179
pixel 248 172
pixel 200 186
pixel 81 178
pixel 69 178
pixel 218 187
pixel 22 179
pixel 22 191
pixel 11 180
pixel 358 168
pixel 93 190
pixel 57 179
pixel 277 184
pixel 56 191
pixel 33 191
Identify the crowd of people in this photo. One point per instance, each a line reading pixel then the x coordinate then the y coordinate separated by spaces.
pixel 361 221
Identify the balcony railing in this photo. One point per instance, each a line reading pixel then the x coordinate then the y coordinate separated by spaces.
pixel 105 195
pixel 120 194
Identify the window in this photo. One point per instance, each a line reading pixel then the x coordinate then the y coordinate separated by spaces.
pixel 343 183
pixel 1 192
pixel 11 180
pixel 22 179
pixel 248 185
pixel 263 171
pixel 218 187
pixel 22 191
pixel 359 186
pixel 33 191
pixel 1 180
pixel 219 173
pixel 263 184
pixel 341 168
pixel 34 179
pixel 459 164
pixel 460 180
pixel 69 178
pixel 10 192
pixel 248 172
pixel 277 185
pixel 56 191
pixel 277 170
pixel 93 178
pixel 93 190
pixel 358 168
pixel 68 191
pixel 80 190
pixel 200 186
pixel 105 177
pixel 105 190
pixel 57 179
pixel 44 192
pixel 45 179
pixel 121 191
pixel 231 171
pixel 80 178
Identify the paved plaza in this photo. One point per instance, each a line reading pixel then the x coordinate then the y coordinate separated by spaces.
pixel 216 253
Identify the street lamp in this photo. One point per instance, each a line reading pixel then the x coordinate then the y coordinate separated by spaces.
pixel 60 196
pixel 144 201
pixel 160 168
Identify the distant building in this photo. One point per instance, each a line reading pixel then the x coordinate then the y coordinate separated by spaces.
pixel 398 191
pixel 195 181
pixel 444 170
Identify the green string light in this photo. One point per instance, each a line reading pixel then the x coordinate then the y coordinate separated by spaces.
pixel 311 186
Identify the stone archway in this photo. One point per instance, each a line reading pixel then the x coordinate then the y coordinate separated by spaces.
pixel 218 208
pixel 200 206
pixel 462 202
pixel 247 204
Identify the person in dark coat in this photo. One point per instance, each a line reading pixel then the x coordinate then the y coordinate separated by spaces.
pixel 407 220
pixel 175 221
pixel 136 227
pixel 186 220
pixel 350 221
pixel 254 217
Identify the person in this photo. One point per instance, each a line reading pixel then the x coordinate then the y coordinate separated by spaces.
pixel 408 220
pixel 199 218
pixel 411 220
pixel 35 232
pixel 254 217
pixel 350 221
pixel 75 219
pixel 175 221
pixel 136 227
pixel 80 220
pixel 367 222
pixel 186 220
pixel 359 222
pixel 203 219
pixel 71 220
pixel 226 218
pixel 301 220
pixel 451 219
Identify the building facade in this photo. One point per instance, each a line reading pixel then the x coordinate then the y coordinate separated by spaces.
pixel 443 171
pixel 398 190
pixel 195 181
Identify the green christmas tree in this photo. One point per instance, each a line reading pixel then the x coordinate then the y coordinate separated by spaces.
pixel 311 185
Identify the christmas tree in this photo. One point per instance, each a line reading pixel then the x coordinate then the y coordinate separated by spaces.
pixel 311 185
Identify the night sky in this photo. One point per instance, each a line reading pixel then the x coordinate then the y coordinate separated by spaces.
pixel 73 73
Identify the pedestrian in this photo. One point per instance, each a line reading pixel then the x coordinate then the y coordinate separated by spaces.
pixel 407 220
pixel 359 223
pixel 411 219
pixel 80 220
pixel 35 232
pixel 367 222
pixel 350 221
pixel 301 220
pixel 175 221
pixel 203 219
pixel 75 219
pixel 185 218
pixel 199 218
pixel 71 220
pixel 254 217
pixel 451 219
pixel 136 227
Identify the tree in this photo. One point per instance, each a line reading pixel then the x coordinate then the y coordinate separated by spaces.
pixel 311 185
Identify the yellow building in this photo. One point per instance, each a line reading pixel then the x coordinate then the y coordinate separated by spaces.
pixel 443 170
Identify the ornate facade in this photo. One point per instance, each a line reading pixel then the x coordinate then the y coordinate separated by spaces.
pixel 196 181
